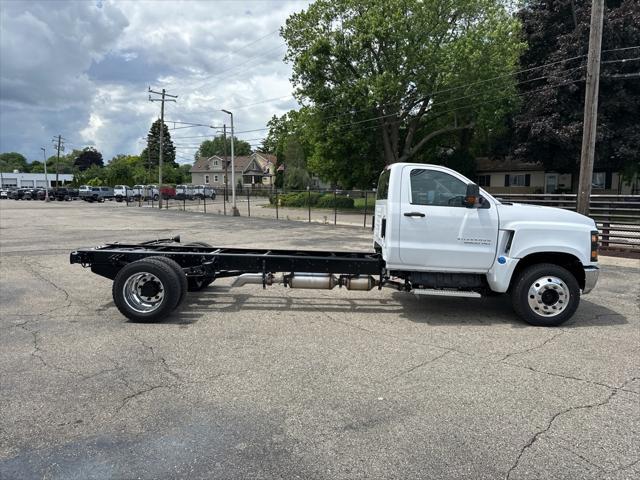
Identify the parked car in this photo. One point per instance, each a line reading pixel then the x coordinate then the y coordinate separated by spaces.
pixel 21 194
pixel 167 192
pixel 74 192
pixel 122 192
pixel 153 192
pixel 184 192
pixel 140 192
pixel 202 191
pixel 84 191
pixel 4 194
pixel 14 194
pixel 41 194
pixel 62 194
pixel 98 194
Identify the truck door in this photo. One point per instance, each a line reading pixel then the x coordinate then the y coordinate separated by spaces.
pixel 437 232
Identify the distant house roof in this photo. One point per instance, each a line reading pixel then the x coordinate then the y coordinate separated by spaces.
pixel 205 164
pixel 261 163
pixel 484 164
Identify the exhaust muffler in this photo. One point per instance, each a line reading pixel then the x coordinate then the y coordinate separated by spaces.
pixel 316 281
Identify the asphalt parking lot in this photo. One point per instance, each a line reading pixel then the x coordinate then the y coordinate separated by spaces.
pixel 279 383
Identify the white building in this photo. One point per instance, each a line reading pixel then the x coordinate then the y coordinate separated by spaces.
pixel 32 180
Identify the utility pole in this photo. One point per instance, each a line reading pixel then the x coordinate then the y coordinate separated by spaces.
pixel 59 148
pixel 590 122
pixel 46 177
pixel 162 100
pixel 234 208
pixel 226 185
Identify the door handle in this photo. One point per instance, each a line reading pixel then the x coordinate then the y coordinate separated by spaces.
pixel 414 214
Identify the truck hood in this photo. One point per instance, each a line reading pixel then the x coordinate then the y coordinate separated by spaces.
pixel 519 212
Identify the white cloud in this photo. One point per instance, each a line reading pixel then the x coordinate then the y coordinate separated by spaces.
pixel 82 69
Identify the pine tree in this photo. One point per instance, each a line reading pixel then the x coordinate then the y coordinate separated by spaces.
pixel 151 154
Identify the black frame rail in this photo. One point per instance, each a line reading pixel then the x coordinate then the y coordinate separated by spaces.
pixel 198 261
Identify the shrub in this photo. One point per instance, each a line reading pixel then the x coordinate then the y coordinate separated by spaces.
pixel 298 199
pixel 329 201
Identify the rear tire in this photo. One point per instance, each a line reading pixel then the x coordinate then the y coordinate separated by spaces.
pixel 177 269
pixel 146 290
pixel 545 295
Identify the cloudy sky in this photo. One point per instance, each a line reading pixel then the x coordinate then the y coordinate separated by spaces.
pixel 82 68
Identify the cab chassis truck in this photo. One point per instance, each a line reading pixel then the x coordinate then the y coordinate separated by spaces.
pixel 435 233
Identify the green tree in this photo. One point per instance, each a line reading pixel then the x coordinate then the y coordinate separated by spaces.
pixel 296 176
pixel 151 153
pixel 209 148
pixel 548 127
pixel 87 158
pixel 399 74
pixel 125 170
pixel 282 130
pixel 185 173
pixel 11 161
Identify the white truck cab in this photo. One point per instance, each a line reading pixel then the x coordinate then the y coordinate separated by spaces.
pixel 153 192
pixel 122 193
pixel 436 229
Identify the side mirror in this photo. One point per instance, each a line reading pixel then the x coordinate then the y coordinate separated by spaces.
pixel 472 196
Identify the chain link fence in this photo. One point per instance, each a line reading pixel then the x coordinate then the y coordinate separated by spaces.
pixel 330 207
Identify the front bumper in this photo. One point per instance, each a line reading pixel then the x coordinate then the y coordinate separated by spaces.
pixel 590 279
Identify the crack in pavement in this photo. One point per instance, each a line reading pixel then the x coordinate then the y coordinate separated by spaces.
pixel 420 365
pixel 163 361
pixel 570 377
pixel 137 393
pixel 581 457
pixel 547 341
pixel 37 353
pixel 479 357
pixel 29 266
pixel 549 424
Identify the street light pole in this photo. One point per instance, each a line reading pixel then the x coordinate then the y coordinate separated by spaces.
pixel 234 208
pixel 46 177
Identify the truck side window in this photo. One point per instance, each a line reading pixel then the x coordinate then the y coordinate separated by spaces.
pixel 430 187
pixel 383 185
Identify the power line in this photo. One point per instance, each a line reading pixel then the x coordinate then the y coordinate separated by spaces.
pixel 379 117
pixel 437 92
pixel 517 72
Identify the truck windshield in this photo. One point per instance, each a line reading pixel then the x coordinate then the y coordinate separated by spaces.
pixel 383 185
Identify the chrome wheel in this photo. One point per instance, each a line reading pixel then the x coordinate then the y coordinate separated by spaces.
pixel 143 292
pixel 548 296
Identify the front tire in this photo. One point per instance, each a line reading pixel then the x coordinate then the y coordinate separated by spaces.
pixel 545 295
pixel 146 291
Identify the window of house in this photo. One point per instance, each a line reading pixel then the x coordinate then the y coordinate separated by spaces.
pixel 484 180
pixel 215 178
pixel 598 180
pixel 215 162
pixel 517 180
pixel 430 187
pixel 206 179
